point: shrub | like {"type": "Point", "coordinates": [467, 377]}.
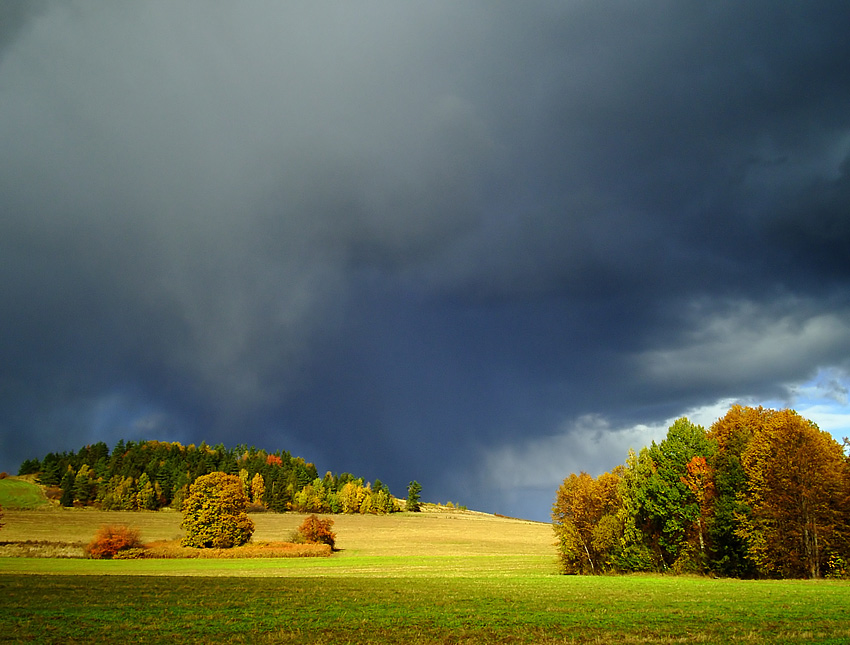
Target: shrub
{"type": "Point", "coordinates": [1, 517]}
{"type": "Point", "coordinates": [315, 530]}
{"type": "Point", "coordinates": [109, 540]}
{"type": "Point", "coordinates": [214, 513]}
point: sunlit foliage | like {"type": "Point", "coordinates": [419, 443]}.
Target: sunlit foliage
{"type": "Point", "coordinates": [109, 540]}
{"type": "Point", "coordinates": [214, 513]}
{"type": "Point", "coordinates": [763, 493]}
{"type": "Point", "coordinates": [315, 530]}
{"type": "Point", "coordinates": [150, 475]}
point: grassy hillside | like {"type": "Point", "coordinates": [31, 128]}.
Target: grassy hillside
{"type": "Point", "coordinates": [18, 493]}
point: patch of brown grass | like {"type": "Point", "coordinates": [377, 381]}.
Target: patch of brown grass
{"type": "Point", "coordinates": [42, 549]}
{"type": "Point", "coordinates": [171, 549]}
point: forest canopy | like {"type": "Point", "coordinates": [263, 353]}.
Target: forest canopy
{"type": "Point", "coordinates": [763, 493]}
{"type": "Point", "coordinates": [149, 475]}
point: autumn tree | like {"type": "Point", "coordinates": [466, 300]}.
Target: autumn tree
{"type": "Point", "coordinates": [351, 496]}
{"type": "Point", "coordinates": [109, 540]}
{"type": "Point", "coordinates": [258, 489]}
{"type": "Point", "coordinates": [732, 434]}
{"type": "Point", "coordinates": [315, 530]}
{"type": "Point", "coordinates": [382, 500]}
{"type": "Point", "coordinates": [699, 480]}
{"type": "Point", "coordinates": [587, 522]}
{"type": "Point", "coordinates": [214, 513]}
{"type": "Point", "coordinates": [795, 490]}
{"type": "Point", "coordinates": [313, 498]}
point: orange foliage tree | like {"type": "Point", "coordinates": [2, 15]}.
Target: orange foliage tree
{"type": "Point", "coordinates": [315, 530]}
{"type": "Point", "coordinates": [699, 480]}
{"type": "Point", "coordinates": [109, 540]}
{"type": "Point", "coordinates": [587, 523]}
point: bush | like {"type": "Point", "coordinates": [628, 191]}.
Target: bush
{"type": "Point", "coordinates": [315, 530]}
{"type": "Point", "coordinates": [214, 513]}
{"type": "Point", "coordinates": [109, 540]}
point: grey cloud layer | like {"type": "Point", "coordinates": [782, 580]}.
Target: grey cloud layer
{"type": "Point", "coordinates": [423, 223]}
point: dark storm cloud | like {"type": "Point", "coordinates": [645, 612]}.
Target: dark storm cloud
{"type": "Point", "coordinates": [425, 241]}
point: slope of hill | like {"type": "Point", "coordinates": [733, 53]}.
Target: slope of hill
{"type": "Point", "coordinates": [17, 493]}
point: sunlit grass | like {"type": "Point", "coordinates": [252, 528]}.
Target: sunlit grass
{"type": "Point", "coordinates": [360, 607]}
{"type": "Point", "coordinates": [401, 579]}
{"type": "Point", "coordinates": [20, 494]}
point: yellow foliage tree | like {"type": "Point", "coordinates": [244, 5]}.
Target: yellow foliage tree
{"type": "Point", "coordinates": [214, 513]}
{"type": "Point", "coordinates": [258, 489]}
{"type": "Point", "coordinates": [795, 490]}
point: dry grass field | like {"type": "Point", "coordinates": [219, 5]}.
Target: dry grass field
{"type": "Point", "coordinates": [438, 534]}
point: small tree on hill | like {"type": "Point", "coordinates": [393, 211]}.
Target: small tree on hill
{"type": "Point", "coordinates": [109, 540]}
{"type": "Point", "coordinates": [1, 517]}
{"type": "Point", "coordinates": [315, 530]}
{"type": "Point", "coordinates": [214, 513]}
{"type": "Point", "coordinates": [413, 490]}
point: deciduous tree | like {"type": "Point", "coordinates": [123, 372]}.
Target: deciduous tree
{"type": "Point", "coordinates": [258, 489]}
{"type": "Point", "coordinates": [315, 530]}
{"type": "Point", "coordinates": [214, 513]}
{"type": "Point", "coordinates": [586, 522]}
{"type": "Point", "coordinates": [795, 489]}
{"type": "Point", "coordinates": [109, 540]}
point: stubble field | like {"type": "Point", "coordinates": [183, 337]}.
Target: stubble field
{"type": "Point", "coordinates": [406, 578]}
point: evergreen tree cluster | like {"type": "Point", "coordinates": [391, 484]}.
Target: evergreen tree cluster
{"type": "Point", "coordinates": [763, 493]}
{"type": "Point", "coordinates": [149, 475]}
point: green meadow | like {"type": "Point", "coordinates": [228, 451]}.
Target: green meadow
{"type": "Point", "coordinates": [20, 494]}
{"type": "Point", "coordinates": [448, 577]}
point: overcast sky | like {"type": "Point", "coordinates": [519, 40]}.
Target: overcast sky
{"type": "Point", "coordinates": [477, 244]}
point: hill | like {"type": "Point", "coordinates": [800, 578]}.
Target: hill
{"type": "Point", "coordinates": [20, 493]}
{"type": "Point", "coordinates": [150, 475]}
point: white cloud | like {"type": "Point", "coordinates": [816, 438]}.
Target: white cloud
{"type": "Point", "coordinates": [592, 444]}
{"type": "Point", "coordinates": [824, 400]}
{"type": "Point", "coordinates": [589, 443]}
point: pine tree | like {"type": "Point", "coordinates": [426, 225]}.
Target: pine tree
{"type": "Point", "coordinates": [67, 485]}
{"type": "Point", "coordinates": [414, 488]}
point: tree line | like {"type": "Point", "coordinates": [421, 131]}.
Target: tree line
{"type": "Point", "coordinates": [149, 475]}
{"type": "Point", "coordinates": [762, 494]}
